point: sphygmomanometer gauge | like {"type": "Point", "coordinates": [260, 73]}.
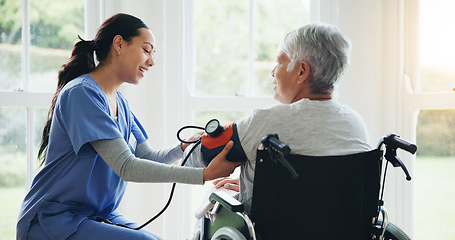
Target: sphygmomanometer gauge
{"type": "Point", "coordinates": [216, 139]}
{"type": "Point", "coordinates": [214, 128]}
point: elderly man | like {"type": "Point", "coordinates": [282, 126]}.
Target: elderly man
{"type": "Point", "coordinates": [310, 62]}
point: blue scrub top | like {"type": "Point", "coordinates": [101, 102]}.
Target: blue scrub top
{"type": "Point", "coordinates": [75, 182]}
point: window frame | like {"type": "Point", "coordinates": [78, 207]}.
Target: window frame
{"type": "Point", "coordinates": [196, 103]}
{"type": "Point", "coordinates": [178, 72]}
{"type": "Point", "coordinates": [30, 100]}
{"type": "Point", "coordinates": [413, 98]}
{"type": "Point", "coordinates": [403, 99]}
{"type": "Point", "coordinates": [320, 10]}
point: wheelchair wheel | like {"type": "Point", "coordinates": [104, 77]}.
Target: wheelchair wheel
{"type": "Point", "coordinates": [228, 233]}
{"type": "Point", "coordinates": [392, 232]}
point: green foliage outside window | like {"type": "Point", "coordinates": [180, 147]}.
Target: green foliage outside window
{"type": "Point", "coordinates": [222, 41]}
{"type": "Point", "coordinates": [49, 22]}
{"type": "Point", "coordinates": [54, 26]}
{"type": "Point", "coordinates": [435, 134]}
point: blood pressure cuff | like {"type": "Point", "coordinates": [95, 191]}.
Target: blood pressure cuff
{"type": "Point", "coordinates": [212, 146]}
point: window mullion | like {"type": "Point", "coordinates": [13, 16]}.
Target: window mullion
{"type": "Point", "coordinates": [30, 145]}
{"type": "Point", "coordinates": [251, 89]}
{"type": "Point", "coordinates": [25, 87]}
{"type": "Point", "coordinates": [25, 46]}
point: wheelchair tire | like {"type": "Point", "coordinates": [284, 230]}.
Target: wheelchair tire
{"type": "Point", "coordinates": [228, 233]}
{"type": "Point", "coordinates": [392, 232]}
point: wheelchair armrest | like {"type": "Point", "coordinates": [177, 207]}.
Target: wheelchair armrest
{"type": "Point", "coordinates": [227, 201]}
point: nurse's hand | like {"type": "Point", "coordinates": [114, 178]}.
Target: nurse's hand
{"type": "Point", "coordinates": [219, 166]}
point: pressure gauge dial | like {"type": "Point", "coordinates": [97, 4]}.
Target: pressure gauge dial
{"type": "Point", "coordinates": [213, 128]}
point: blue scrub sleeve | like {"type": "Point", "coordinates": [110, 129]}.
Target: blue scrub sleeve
{"type": "Point", "coordinates": [85, 114]}
{"type": "Point", "coordinates": [138, 131]}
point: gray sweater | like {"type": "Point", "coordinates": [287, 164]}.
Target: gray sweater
{"type": "Point", "coordinates": [309, 127]}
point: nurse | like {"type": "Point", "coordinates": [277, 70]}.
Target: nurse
{"type": "Point", "coordinates": [93, 144]}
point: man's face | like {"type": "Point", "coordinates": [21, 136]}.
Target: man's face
{"type": "Point", "coordinates": [286, 87]}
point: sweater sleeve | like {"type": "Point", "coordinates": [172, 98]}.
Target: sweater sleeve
{"type": "Point", "coordinates": [168, 155]}
{"type": "Point", "coordinates": [117, 155]}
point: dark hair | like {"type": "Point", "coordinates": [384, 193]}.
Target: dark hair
{"type": "Point", "coordinates": [82, 61]}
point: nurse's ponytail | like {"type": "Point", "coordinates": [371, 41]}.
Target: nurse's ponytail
{"type": "Point", "coordinates": [82, 60]}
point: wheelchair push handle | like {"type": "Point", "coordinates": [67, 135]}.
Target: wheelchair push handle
{"type": "Point", "coordinates": [279, 151]}
{"type": "Point", "coordinates": [395, 142]}
{"type": "Point", "coordinates": [392, 142]}
{"type": "Point", "coordinates": [273, 142]}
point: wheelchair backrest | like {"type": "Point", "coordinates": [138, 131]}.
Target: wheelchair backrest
{"type": "Point", "coordinates": [334, 197]}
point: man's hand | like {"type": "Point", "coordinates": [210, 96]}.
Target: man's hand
{"type": "Point", "coordinates": [228, 183]}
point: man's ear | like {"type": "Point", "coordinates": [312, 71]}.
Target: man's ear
{"type": "Point", "coordinates": [304, 71]}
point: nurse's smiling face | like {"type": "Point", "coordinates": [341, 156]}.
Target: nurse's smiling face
{"type": "Point", "coordinates": [137, 56]}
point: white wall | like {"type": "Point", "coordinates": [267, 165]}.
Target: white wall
{"type": "Point", "coordinates": [361, 86]}
{"type": "Point", "coordinates": [372, 85]}
{"type": "Point", "coordinates": [156, 102]}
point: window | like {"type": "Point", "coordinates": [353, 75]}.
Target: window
{"type": "Point", "coordinates": [234, 52]}
{"type": "Point", "coordinates": [434, 175]}
{"type": "Point", "coordinates": [36, 38]}
{"type": "Point", "coordinates": [437, 67]}
{"type": "Point", "coordinates": [433, 78]}
{"type": "Point", "coordinates": [234, 47]}
{"type": "Point", "coordinates": [11, 45]}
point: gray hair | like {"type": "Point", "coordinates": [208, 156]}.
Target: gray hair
{"type": "Point", "coordinates": [326, 50]}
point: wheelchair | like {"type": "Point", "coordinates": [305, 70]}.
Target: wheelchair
{"type": "Point", "coordinates": [311, 197]}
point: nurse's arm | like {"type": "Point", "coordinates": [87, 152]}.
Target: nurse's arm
{"type": "Point", "coordinates": [116, 154]}
{"type": "Point", "coordinates": [168, 155]}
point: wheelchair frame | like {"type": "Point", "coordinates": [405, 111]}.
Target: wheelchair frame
{"type": "Point", "coordinates": [231, 210]}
